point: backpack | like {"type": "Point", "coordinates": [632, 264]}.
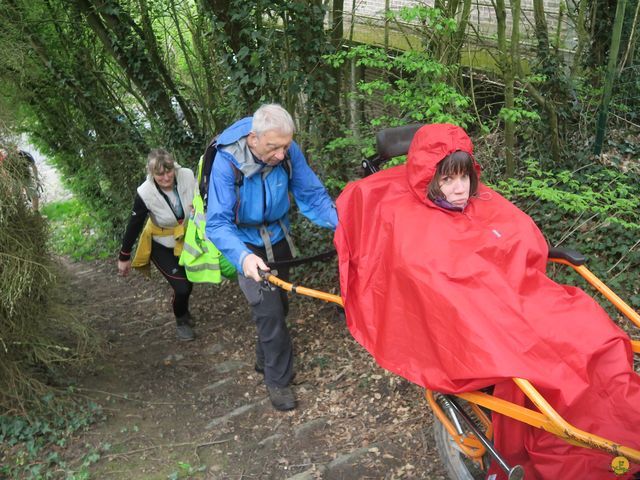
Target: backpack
{"type": "Point", "coordinates": [206, 165]}
{"type": "Point", "coordinates": [204, 169]}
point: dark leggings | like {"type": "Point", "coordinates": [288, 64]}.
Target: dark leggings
{"type": "Point", "coordinates": [163, 258]}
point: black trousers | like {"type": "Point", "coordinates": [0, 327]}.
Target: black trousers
{"type": "Point", "coordinates": [269, 308]}
{"type": "Point", "coordinates": [164, 259]}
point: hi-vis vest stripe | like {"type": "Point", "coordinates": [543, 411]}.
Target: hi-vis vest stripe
{"type": "Point", "coordinates": [202, 261]}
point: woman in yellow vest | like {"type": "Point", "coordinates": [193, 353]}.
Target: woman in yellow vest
{"type": "Point", "coordinates": [161, 206]}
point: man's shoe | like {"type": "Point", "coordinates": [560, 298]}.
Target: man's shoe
{"type": "Point", "coordinates": [282, 398]}
{"type": "Point", "coordinates": [185, 332]}
{"type": "Point", "coordinates": [259, 365]}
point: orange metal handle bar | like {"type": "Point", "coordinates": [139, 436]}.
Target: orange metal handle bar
{"type": "Point", "coordinates": [625, 309]}
{"type": "Point", "coordinates": [570, 432]}
{"type": "Point", "coordinates": [309, 292]}
{"type": "Point", "coordinates": [549, 420]}
{"type": "Point", "coordinates": [609, 294]}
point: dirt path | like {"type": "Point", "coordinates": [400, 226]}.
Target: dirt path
{"type": "Point", "coordinates": [198, 409]}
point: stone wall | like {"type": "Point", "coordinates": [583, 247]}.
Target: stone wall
{"type": "Point", "coordinates": [482, 16]}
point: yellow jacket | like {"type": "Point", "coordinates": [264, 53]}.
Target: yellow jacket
{"type": "Point", "coordinates": [143, 252]}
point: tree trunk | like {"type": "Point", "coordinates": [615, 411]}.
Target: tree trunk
{"type": "Point", "coordinates": [612, 73]}
{"type": "Point", "coordinates": [545, 57]}
{"type": "Point", "coordinates": [461, 34]}
{"type": "Point", "coordinates": [508, 74]}
{"type": "Point", "coordinates": [337, 39]}
{"type": "Point", "coordinates": [113, 28]}
{"type": "Point", "coordinates": [627, 58]}
{"type": "Point", "coordinates": [148, 35]}
{"type": "Point", "coordinates": [583, 39]}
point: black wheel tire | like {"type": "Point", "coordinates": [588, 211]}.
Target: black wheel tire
{"type": "Point", "coordinates": [457, 465]}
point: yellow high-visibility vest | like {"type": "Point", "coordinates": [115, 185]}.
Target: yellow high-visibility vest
{"type": "Point", "coordinates": [202, 260]}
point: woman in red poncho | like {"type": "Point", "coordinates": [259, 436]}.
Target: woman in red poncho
{"type": "Point", "coordinates": [445, 285]}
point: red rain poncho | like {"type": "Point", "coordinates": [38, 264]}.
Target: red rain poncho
{"type": "Point", "coordinates": [457, 301]}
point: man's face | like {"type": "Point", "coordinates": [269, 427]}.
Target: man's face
{"type": "Point", "coordinates": [270, 147]}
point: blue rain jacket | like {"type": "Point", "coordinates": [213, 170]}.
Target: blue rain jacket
{"type": "Point", "coordinates": [264, 195]}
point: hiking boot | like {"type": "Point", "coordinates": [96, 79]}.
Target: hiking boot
{"type": "Point", "coordinates": [282, 398]}
{"type": "Point", "coordinates": [184, 332]}
{"type": "Point", "coordinates": [259, 365]}
{"type": "Point", "coordinates": [188, 319]}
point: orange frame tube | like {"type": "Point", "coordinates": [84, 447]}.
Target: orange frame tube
{"type": "Point", "coordinates": [547, 418]}
{"type": "Point", "coordinates": [609, 294]}
{"type": "Point", "coordinates": [469, 445]}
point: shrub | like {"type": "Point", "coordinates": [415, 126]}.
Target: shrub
{"type": "Point", "coordinates": [37, 334]}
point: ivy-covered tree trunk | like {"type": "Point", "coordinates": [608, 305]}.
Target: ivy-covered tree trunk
{"type": "Point", "coordinates": [147, 33]}
{"type": "Point", "coordinates": [121, 38]}
{"type": "Point", "coordinates": [250, 52]}
{"type": "Point", "coordinates": [79, 118]}
{"type": "Point", "coordinates": [579, 21]}
{"type": "Point", "coordinates": [508, 58]}
{"type": "Point", "coordinates": [550, 67]}
{"type": "Point", "coordinates": [273, 52]}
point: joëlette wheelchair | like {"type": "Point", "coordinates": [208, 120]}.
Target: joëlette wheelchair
{"type": "Point", "coordinates": [463, 430]}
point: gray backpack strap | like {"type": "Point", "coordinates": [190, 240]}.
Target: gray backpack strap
{"type": "Point", "coordinates": [266, 239]}
{"type": "Point", "coordinates": [287, 235]}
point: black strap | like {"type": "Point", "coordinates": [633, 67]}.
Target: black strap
{"type": "Point", "coordinates": [301, 261]}
{"type": "Point", "coordinates": [166, 199]}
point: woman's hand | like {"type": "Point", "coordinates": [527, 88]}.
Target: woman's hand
{"type": "Point", "coordinates": [124, 267]}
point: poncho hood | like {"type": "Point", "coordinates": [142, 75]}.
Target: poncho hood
{"type": "Point", "coordinates": [431, 144]}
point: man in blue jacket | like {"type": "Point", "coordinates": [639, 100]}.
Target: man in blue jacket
{"type": "Point", "coordinates": [257, 164]}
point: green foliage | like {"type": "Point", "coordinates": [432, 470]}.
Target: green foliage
{"type": "Point", "coordinates": [518, 114]}
{"type": "Point", "coordinates": [273, 53]}
{"type": "Point", "coordinates": [591, 192]}
{"type": "Point", "coordinates": [31, 446]}
{"type": "Point", "coordinates": [433, 18]}
{"type": "Point", "coordinates": [593, 210]}
{"type": "Point", "coordinates": [185, 470]}
{"type": "Point", "coordinates": [413, 87]}
{"type": "Point", "coordinates": [341, 158]}
{"type": "Point", "coordinates": [77, 232]}
{"type": "Point", "coordinates": [439, 29]}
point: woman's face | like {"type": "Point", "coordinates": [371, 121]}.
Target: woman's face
{"type": "Point", "coordinates": [455, 188]}
{"type": "Point", "coordinates": [164, 179]}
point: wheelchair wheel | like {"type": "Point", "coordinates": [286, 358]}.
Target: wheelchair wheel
{"type": "Point", "coordinates": [456, 463]}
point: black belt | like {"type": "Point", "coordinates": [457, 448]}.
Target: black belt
{"type": "Point", "coordinates": [301, 261]}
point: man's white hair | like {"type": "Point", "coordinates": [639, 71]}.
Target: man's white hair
{"type": "Point", "coordinates": [272, 116]}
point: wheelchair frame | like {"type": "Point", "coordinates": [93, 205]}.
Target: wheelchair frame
{"type": "Point", "coordinates": [393, 142]}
